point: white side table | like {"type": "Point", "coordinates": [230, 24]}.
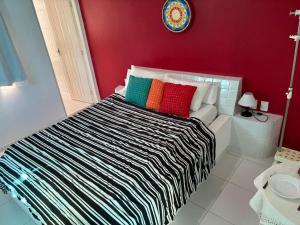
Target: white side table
{"type": "Point", "coordinates": [253, 138]}
{"type": "Point", "coordinates": [271, 208]}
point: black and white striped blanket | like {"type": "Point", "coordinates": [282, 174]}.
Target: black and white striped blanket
{"type": "Point", "coordinates": [112, 163]}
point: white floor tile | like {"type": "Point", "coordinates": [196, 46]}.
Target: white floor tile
{"type": "Point", "coordinates": [73, 106]}
{"type": "Point", "coordinates": [2, 150]}
{"type": "Point", "coordinates": [190, 214]}
{"type": "Point", "coordinates": [226, 166]}
{"type": "Point", "coordinates": [208, 192]}
{"type": "Point", "coordinates": [30, 222]}
{"type": "Point", "coordinates": [211, 219]}
{"type": "Point", "coordinates": [233, 205]}
{"type": "Point", "coordinates": [250, 218]}
{"type": "Point", "coordinates": [4, 198]}
{"type": "Point", "coordinates": [12, 214]}
{"type": "Point", "coordinates": [263, 161]}
{"type": "Point", "coordinates": [246, 173]}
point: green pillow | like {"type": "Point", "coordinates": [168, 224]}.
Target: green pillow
{"type": "Point", "coordinates": [137, 90]}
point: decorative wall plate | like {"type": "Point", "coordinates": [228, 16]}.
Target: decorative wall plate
{"type": "Point", "coordinates": [176, 15]}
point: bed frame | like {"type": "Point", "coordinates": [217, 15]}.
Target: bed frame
{"type": "Point", "coordinates": [230, 92]}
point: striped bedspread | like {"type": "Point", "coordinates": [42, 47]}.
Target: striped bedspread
{"type": "Point", "coordinates": [111, 164]}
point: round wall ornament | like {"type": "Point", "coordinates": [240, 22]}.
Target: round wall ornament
{"type": "Point", "coordinates": [176, 15]}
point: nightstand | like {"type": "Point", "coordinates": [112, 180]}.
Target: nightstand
{"type": "Point", "coordinates": [253, 138]}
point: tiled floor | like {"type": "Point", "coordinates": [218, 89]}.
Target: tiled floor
{"type": "Point", "coordinates": [225, 195]}
{"type": "Point", "coordinates": [221, 200]}
{"type": "Point", "coordinates": [72, 106]}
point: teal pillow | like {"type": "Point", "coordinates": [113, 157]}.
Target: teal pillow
{"type": "Point", "coordinates": [137, 90]}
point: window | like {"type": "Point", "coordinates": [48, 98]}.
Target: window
{"type": "Point", "coordinates": [10, 67]}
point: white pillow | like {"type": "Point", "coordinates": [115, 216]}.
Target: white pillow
{"type": "Point", "coordinates": [145, 73]}
{"type": "Point", "coordinates": [212, 94]}
{"type": "Point", "coordinates": [200, 92]}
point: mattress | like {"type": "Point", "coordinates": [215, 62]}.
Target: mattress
{"type": "Point", "coordinates": [112, 163]}
{"type": "Point", "coordinates": [207, 114]}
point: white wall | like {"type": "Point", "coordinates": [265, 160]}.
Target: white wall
{"type": "Point", "coordinates": [37, 103]}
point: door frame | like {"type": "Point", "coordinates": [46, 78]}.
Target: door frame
{"type": "Point", "coordinates": [86, 50]}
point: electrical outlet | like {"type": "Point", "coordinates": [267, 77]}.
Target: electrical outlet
{"type": "Point", "coordinates": [264, 106]}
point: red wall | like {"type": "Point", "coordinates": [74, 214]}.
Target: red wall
{"type": "Point", "coordinates": [247, 38]}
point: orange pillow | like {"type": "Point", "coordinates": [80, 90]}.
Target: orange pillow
{"type": "Point", "coordinates": [155, 95]}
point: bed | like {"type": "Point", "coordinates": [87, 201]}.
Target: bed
{"type": "Point", "coordinates": [113, 163]}
{"type": "Point", "coordinates": [229, 92]}
{"type": "Point", "coordinates": [207, 114]}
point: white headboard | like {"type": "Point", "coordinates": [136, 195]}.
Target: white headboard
{"type": "Point", "coordinates": [230, 90]}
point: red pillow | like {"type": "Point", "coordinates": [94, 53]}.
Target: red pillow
{"type": "Point", "coordinates": [177, 99]}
